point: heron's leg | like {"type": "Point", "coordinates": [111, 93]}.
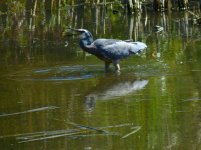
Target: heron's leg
{"type": "Point", "coordinates": [116, 65]}
{"type": "Point", "coordinates": [107, 65]}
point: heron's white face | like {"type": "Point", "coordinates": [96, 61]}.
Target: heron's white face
{"type": "Point", "coordinates": [81, 30]}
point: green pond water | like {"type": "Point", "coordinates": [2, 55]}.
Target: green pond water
{"type": "Point", "coordinates": [55, 96]}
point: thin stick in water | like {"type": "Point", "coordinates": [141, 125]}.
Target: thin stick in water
{"type": "Point", "coordinates": [134, 131]}
{"type": "Point", "coordinates": [50, 137]}
{"type": "Point", "coordinates": [30, 111]}
{"type": "Point", "coordinates": [88, 127]}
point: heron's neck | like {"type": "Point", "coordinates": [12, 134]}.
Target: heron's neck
{"type": "Point", "coordinates": [85, 41]}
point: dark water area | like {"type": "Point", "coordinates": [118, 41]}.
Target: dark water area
{"type": "Point", "coordinates": [55, 96]}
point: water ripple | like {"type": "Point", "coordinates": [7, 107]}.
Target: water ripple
{"type": "Point", "coordinates": [60, 73]}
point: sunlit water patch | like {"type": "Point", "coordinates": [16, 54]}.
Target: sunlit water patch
{"type": "Point", "coordinates": [157, 69]}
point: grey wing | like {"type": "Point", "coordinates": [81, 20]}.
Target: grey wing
{"type": "Point", "coordinates": [117, 50]}
{"type": "Point", "coordinates": [100, 43]}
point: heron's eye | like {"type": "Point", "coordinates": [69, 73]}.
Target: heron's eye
{"type": "Point", "coordinates": [89, 35]}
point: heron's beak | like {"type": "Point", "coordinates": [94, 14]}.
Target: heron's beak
{"type": "Point", "coordinates": [77, 30]}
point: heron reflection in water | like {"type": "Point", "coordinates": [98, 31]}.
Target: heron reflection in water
{"type": "Point", "coordinates": [109, 50]}
{"type": "Point", "coordinates": [111, 88]}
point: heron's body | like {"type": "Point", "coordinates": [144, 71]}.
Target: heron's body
{"type": "Point", "coordinates": [109, 50]}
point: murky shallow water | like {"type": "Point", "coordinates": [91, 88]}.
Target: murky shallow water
{"type": "Point", "coordinates": [53, 96]}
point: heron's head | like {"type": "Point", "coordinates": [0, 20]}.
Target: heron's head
{"type": "Point", "coordinates": [85, 35]}
{"type": "Point", "coordinates": [79, 30]}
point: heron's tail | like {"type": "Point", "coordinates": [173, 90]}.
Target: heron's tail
{"type": "Point", "coordinates": [138, 47]}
